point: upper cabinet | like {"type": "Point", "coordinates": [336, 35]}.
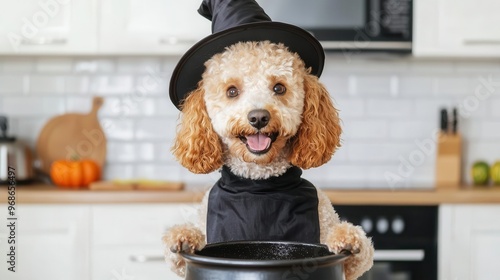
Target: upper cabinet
{"type": "Point", "coordinates": [48, 27]}
{"type": "Point", "coordinates": [150, 26]}
{"type": "Point", "coordinates": [458, 28]}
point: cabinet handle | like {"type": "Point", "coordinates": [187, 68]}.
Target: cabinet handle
{"type": "Point", "coordinates": [44, 41]}
{"type": "Point", "coordinates": [482, 41]}
{"type": "Point", "coordinates": [176, 41]}
{"type": "Point", "coordinates": [399, 255]}
{"type": "Point", "coordinates": [144, 258]}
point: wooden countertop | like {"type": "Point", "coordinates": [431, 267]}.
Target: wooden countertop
{"type": "Point", "coordinates": [50, 194]}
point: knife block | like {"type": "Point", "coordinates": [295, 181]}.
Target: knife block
{"type": "Point", "coordinates": [449, 161]}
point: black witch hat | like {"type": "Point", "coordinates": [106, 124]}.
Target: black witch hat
{"type": "Point", "coordinates": [236, 21]}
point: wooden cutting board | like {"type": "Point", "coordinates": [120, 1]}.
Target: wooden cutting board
{"type": "Point", "coordinates": [71, 136]}
{"type": "Point", "coordinates": [124, 185]}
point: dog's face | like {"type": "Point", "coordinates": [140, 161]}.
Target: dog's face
{"type": "Point", "coordinates": [257, 103]}
{"type": "Point", "coordinates": [254, 96]}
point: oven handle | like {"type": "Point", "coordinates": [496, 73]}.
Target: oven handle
{"type": "Point", "coordinates": [399, 255]}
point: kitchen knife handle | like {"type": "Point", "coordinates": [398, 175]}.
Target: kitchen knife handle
{"type": "Point", "coordinates": [455, 121]}
{"type": "Point", "coordinates": [444, 121]}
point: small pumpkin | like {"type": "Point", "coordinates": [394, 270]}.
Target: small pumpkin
{"type": "Point", "coordinates": [74, 173]}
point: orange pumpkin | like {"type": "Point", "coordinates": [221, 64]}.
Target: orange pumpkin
{"type": "Point", "coordinates": [74, 173]}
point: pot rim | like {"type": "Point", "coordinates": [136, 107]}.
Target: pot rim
{"type": "Point", "coordinates": [231, 262]}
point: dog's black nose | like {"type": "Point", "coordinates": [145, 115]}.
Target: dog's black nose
{"type": "Point", "coordinates": [259, 118]}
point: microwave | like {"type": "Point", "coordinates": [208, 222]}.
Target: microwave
{"type": "Point", "coordinates": [349, 25]}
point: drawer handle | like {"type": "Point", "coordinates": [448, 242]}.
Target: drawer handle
{"type": "Point", "coordinates": [146, 259]}
{"type": "Point", "coordinates": [44, 41]}
{"type": "Point", "coordinates": [482, 41]}
{"type": "Point", "coordinates": [176, 41]}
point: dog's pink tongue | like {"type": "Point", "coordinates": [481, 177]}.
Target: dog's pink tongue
{"type": "Point", "coordinates": [258, 142]}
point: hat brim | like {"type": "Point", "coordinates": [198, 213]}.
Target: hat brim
{"type": "Point", "coordinates": [190, 67]}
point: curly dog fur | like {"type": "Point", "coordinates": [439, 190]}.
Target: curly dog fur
{"type": "Point", "coordinates": [303, 130]}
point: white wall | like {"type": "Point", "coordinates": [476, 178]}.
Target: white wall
{"type": "Point", "coordinates": [387, 105]}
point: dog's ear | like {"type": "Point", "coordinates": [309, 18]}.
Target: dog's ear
{"type": "Point", "coordinates": [197, 146]}
{"type": "Point", "coordinates": [319, 133]}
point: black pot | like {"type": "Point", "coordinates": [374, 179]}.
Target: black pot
{"type": "Point", "coordinates": [263, 260]}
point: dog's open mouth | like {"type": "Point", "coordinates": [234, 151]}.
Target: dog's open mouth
{"type": "Point", "coordinates": [259, 143]}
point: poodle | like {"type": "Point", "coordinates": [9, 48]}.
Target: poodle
{"type": "Point", "coordinates": [256, 115]}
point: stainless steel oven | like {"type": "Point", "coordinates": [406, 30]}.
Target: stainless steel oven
{"type": "Point", "coordinates": [404, 237]}
{"type": "Point", "coordinates": [348, 25]}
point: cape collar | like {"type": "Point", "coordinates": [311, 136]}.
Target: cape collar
{"type": "Point", "coordinates": [289, 180]}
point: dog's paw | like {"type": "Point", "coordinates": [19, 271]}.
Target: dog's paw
{"type": "Point", "coordinates": [184, 238]}
{"type": "Point", "coordinates": [345, 237]}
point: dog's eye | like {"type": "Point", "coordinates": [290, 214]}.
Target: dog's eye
{"type": "Point", "coordinates": [279, 89]}
{"type": "Point", "coordinates": [232, 92]}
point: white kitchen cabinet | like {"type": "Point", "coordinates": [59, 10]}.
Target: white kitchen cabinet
{"type": "Point", "coordinates": [150, 26]}
{"type": "Point", "coordinates": [52, 242]}
{"type": "Point", "coordinates": [48, 27]}
{"type": "Point", "coordinates": [456, 28]}
{"type": "Point", "coordinates": [127, 239]}
{"type": "Point", "coordinates": [469, 242]}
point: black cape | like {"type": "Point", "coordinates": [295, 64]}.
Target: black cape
{"type": "Point", "coordinates": [283, 208]}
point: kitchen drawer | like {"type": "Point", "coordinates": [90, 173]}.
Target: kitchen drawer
{"type": "Point", "coordinates": [137, 224]}
{"type": "Point", "coordinates": [131, 262]}
{"type": "Point", "coordinates": [52, 242]}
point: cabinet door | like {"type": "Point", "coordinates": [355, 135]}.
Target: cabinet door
{"type": "Point", "coordinates": [51, 241]}
{"type": "Point", "coordinates": [126, 239]}
{"type": "Point", "coordinates": [150, 26]}
{"type": "Point", "coordinates": [469, 242]}
{"type": "Point", "coordinates": [456, 28]}
{"type": "Point", "coordinates": [48, 27]}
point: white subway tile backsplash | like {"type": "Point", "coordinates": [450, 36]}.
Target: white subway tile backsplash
{"type": "Point", "coordinates": [16, 65]}
{"type": "Point", "coordinates": [121, 152]}
{"type": "Point", "coordinates": [385, 107]}
{"type": "Point", "coordinates": [120, 84]}
{"type": "Point", "coordinates": [12, 83]}
{"type": "Point", "coordinates": [412, 130]}
{"type": "Point", "coordinates": [364, 129]}
{"type": "Point", "coordinates": [457, 85]}
{"type": "Point", "coordinates": [428, 67]}
{"type": "Point", "coordinates": [376, 152]}
{"type": "Point", "coordinates": [32, 106]}
{"type": "Point", "coordinates": [76, 84]}
{"type": "Point", "coordinates": [94, 66]}
{"type": "Point", "coordinates": [370, 85]}
{"type": "Point", "coordinates": [155, 129]}
{"type": "Point", "coordinates": [428, 109]}
{"type": "Point", "coordinates": [48, 84]}
{"type": "Point", "coordinates": [495, 108]}
{"type": "Point", "coordinates": [113, 171]}
{"type": "Point", "coordinates": [337, 85]}
{"type": "Point", "coordinates": [418, 86]}
{"type": "Point", "coordinates": [54, 65]}
{"type": "Point", "coordinates": [145, 151]}
{"type": "Point", "coordinates": [152, 83]}
{"type": "Point", "coordinates": [350, 107]}
{"type": "Point", "coordinates": [138, 65]}
{"type": "Point", "coordinates": [170, 172]}
{"type": "Point", "coordinates": [477, 67]}
{"type": "Point", "coordinates": [485, 130]}
{"type": "Point", "coordinates": [118, 128]}
{"type": "Point", "coordinates": [28, 129]}
{"type": "Point", "coordinates": [163, 152]}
